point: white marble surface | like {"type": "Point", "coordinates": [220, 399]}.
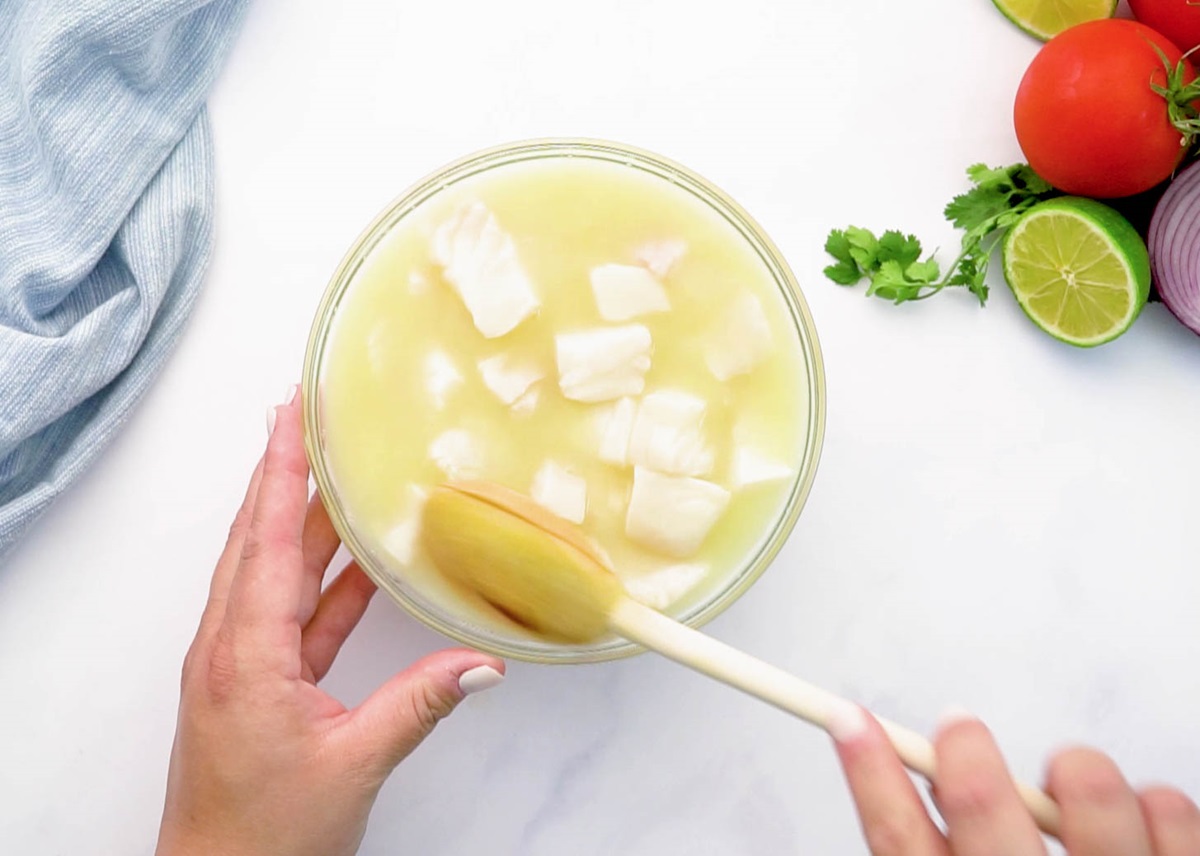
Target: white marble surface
{"type": "Point", "coordinates": [999, 521]}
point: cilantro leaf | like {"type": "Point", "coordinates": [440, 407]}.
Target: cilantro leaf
{"type": "Point", "coordinates": [982, 174]}
{"type": "Point", "coordinates": [926, 271]}
{"type": "Point", "coordinates": [896, 246]}
{"type": "Point", "coordinates": [997, 193]}
{"type": "Point", "coordinates": [838, 245]}
{"type": "Point", "coordinates": [863, 247]}
{"type": "Point", "coordinates": [971, 273]}
{"type": "Point", "coordinates": [892, 262]}
{"type": "Point", "coordinates": [976, 207]}
{"type": "Point", "coordinates": [1025, 177]}
{"type": "Point", "coordinates": [891, 283]}
{"type": "Point", "coordinates": [846, 271]}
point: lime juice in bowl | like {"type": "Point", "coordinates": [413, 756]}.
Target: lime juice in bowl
{"type": "Point", "coordinates": [586, 323]}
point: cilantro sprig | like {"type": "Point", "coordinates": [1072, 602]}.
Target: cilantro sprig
{"type": "Point", "coordinates": [892, 261]}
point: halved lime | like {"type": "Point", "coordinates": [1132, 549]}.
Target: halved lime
{"type": "Point", "coordinates": [1044, 19]}
{"type": "Point", "coordinates": [1079, 270]}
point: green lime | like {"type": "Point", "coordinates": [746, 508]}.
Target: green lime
{"type": "Point", "coordinates": [1044, 19]}
{"type": "Point", "coordinates": [1078, 268]}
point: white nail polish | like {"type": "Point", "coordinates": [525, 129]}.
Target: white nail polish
{"type": "Point", "coordinates": [291, 394]}
{"type": "Point", "coordinates": [270, 421]}
{"type": "Point", "coordinates": [847, 723]}
{"type": "Point", "coordinates": [478, 679]}
{"type": "Point", "coordinates": [954, 715]}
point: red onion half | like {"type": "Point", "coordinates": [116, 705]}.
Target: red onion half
{"type": "Point", "coordinates": [1174, 245]}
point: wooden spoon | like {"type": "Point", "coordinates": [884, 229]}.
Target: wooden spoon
{"type": "Point", "coordinates": [544, 574]}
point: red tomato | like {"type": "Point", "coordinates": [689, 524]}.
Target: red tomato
{"type": "Point", "coordinates": [1086, 117]}
{"type": "Point", "coordinates": [1178, 20]}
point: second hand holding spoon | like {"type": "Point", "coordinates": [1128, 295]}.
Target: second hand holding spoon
{"type": "Point", "coordinates": [545, 575]}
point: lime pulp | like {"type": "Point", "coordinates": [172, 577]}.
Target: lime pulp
{"type": "Point", "coordinates": [1079, 270]}
{"type": "Point", "coordinates": [1044, 19]}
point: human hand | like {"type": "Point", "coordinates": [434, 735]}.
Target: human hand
{"type": "Point", "coordinates": [265, 762]}
{"type": "Point", "coordinates": [1101, 814]}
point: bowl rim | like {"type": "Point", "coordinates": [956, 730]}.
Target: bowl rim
{"type": "Point", "coordinates": [534, 149]}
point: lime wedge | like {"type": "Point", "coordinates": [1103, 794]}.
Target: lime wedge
{"type": "Point", "coordinates": [1078, 269]}
{"type": "Point", "coordinates": [1044, 19]}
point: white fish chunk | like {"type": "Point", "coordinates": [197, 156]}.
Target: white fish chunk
{"type": "Point", "coordinates": [603, 363]}
{"type": "Point", "coordinates": [741, 342]}
{"type": "Point", "coordinates": [442, 377]}
{"type": "Point", "coordinates": [615, 424]}
{"type": "Point", "coordinates": [480, 261]}
{"type": "Point", "coordinates": [627, 291]}
{"type": "Point", "coordinates": [661, 588]}
{"type": "Point", "coordinates": [560, 491]}
{"type": "Point", "coordinates": [458, 454]}
{"type": "Point", "coordinates": [672, 514]}
{"type": "Point", "coordinates": [507, 377]}
{"type": "Point", "coordinates": [751, 467]}
{"type": "Point", "coordinates": [418, 282]}
{"type": "Point", "coordinates": [668, 434]}
{"type": "Point", "coordinates": [400, 541]}
{"type": "Point", "coordinates": [528, 402]}
{"type": "Point", "coordinates": [660, 256]}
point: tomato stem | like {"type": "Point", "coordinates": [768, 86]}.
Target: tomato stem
{"type": "Point", "coordinates": [1181, 97]}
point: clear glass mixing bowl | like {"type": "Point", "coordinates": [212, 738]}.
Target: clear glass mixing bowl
{"type": "Point", "coordinates": [810, 373]}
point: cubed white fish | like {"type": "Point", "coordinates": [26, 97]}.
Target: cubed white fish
{"type": "Point", "coordinates": [668, 434]}
{"type": "Point", "coordinates": [661, 588]}
{"type": "Point", "coordinates": [457, 453]}
{"type": "Point", "coordinates": [672, 514]}
{"type": "Point", "coordinates": [442, 377]}
{"type": "Point", "coordinates": [480, 261]}
{"type": "Point", "coordinates": [418, 282]}
{"type": "Point", "coordinates": [400, 541]}
{"type": "Point", "coordinates": [528, 402]}
{"type": "Point", "coordinates": [627, 291]}
{"type": "Point", "coordinates": [615, 423]}
{"type": "Point", "coordinates": [660, 256]}
{"type": "Point", "coordinates": [603, 363]}
{"type": "Point", "coordinates": [751, 467]}
{"type": "Point", "coordinates": [508, 377]}
{"type": "Point", "coordinates": [560, 491]}
{"type": "Point", "coordinates": [741, 342]}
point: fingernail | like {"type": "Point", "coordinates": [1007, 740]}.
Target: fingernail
{"type": "Point", "coordinates": [291, 394]}
{"type": "Point", "coordinates": [931, 790]}
{"type": "Point", "coordinates": [270, 421]}
{"type": "Point", "coordinates": [954, 715]}
{"type": "Point", "coordinates": [479, 679]}
{"type": "Point", "coordinates": [847, 723]}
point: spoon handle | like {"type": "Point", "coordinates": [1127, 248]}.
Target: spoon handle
{"type": "Point", "coordinates": [785, 691]}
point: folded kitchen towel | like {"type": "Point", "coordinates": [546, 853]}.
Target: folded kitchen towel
{"type": "Point", "coordinates": [105, 220]}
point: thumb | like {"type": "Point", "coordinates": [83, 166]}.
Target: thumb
{"type": "Point", "coordinates": [393, 720]}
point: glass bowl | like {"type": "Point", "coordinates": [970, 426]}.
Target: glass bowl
{"type": "Point", "coordinates": [811, 374]}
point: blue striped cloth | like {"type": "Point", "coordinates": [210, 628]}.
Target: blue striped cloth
{"type": "Point", "coordinates": [105, 220]}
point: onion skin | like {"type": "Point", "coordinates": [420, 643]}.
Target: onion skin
{"type": "Point", "coordinates": [1174, 244]}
